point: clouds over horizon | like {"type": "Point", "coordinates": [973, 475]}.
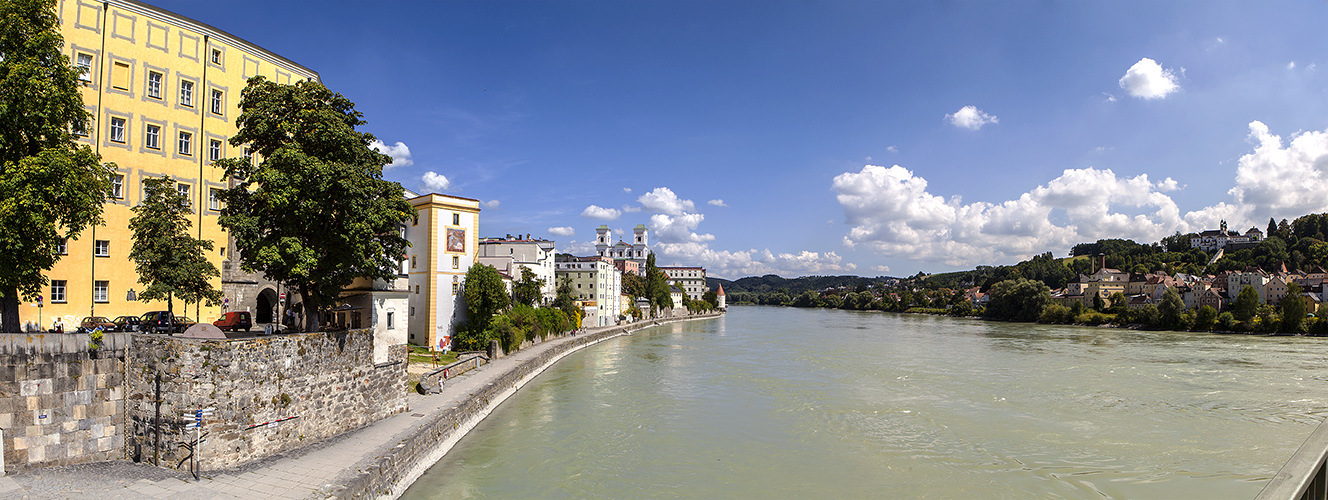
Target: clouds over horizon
{"type": "Point", "coordinates": [891, 212]}
{"type": "Point", "coordinates": [1147, 79]}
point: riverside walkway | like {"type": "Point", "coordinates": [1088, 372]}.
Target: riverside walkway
{"type": "Point", "coordinates": [321, 470]}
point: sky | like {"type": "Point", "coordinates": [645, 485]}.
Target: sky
{"type": "Point", "coordinates": [816, 137]}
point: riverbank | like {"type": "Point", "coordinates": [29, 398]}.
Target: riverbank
{"type": "Point", "coordinates": [380, 459]}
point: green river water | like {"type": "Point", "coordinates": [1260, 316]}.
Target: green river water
{"type": "Point", "coordinates": [771, 402]}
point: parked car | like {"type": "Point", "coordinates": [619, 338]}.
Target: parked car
{"type": "Point", "coordinates": [91, 323]}
{"type": "Point", "coordinates": [183, 323]}
{"type": "Point", "coordinates": [126, 323]}
{"type": "Point", "coordinates": [157, 322]}
{"type": "Point", "coordinates": [234, 321]}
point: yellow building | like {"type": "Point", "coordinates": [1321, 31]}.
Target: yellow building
{"type": "Point", "coordinates": [444, 242]}
{"type": "Point", "coordinates": [164, 91]}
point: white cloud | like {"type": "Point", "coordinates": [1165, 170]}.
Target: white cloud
{"type": "Point", "coordinates": [631, 209]}
{"type": "Point", "coordinates": [601, 213]}
{"type": "Point", "coordinates": [891, 212]}
{"type": "Point", "coordinates": [399, 152]}
{"type": "Point", "coordinates": [578, 248]}
{"type": "Point", "coordinates": [892, 149]}
{"type": "Point", "coordinates": [970, 117]}
{"type": "Point", "coordinates": [492, 204]}
{"type": "Point", "coordinates": [881, 269]}
{"type": "Point", "coordinates": [753, 262]}
{"type": "Point", "coordinates": [678, 229]}
{"type": "Point", "coordinates": [1280, 182]}
{"type": "Point", "coordinates": [1148, 80]}
{"type": "Point", "coordinates": [435, 182]}
{"type": "Point", "coordinates": [717, 203]}
{"type": "Point", "coordinates": [1291, 65]}
{"type": "Point", "coordinates": [627, 190]}
{"type": "Point", "coordinates": [1109, 97]}
{"type": "Point", "coordinates": [663, 201]}
{"type": "Point", "coordinates": [563, 231]}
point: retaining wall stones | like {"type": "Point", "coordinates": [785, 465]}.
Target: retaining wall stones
{"type": "Point", "coordinates": [269, 394]}
{"type": "Point", "coordinates": [61, 401]}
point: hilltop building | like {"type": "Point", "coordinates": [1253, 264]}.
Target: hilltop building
{"type": "Point", "coordinates": [1212, 240]}
{"type": "Point", "coordinates": [163, 90]}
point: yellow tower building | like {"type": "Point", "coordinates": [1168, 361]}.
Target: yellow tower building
{"type": "Point", "coordinates": [163, 90]}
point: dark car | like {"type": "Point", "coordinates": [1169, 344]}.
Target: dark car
{"type": "Point", "coordinates": [234, 321]}
{"type": "Point", "coordinates": [183, 323]}
{"type": "Point", "coordinates": [91, 323]}
{"type": "Point", "coordinates": [157, 322]}
{"type": "Point", "coordinates": [126, 323]}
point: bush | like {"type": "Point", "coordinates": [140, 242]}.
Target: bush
{"type": "Point", "coordinates": [1317, 326]}
{"type": "Point", "coordinates": [1227, 321]}
{"type": "Point", "coordinates": [1056, 313]}
{"type": "Point", "coordinates": [1204, 318]}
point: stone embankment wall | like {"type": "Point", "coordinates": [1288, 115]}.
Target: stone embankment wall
{"type": "Point", "coordinates": [269, 394]}
{"type": "Point", "coordinates": [395, 467]}
{"type": "Point", "coordinates": [61, 402]}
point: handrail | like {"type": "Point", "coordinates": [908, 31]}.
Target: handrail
{"type": "Point", "coordinates": [1304, 476]}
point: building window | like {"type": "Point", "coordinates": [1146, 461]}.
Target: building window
{"type": "Point", "coordinates": [154, 84]}
{"type": "Point", "coordinates": [417, 289]}
{"type": "Point", "coordinates": [390, 323]}
{"type": "Point", "coordinates": [214, 150]}
{"type": "Point", "coordinates": [100, 291]}
{"type": "Point", "coordinates": [216, 56]}
{"type": "Point", "coordinates": [218, 101]}
{"type": "Point", "coordinates": [185, 144]}
{"type": "Point", "coordinates": [84, 64]}
{"type": "Point", "coordinates": [102, 248]}
{"type": "Point", "coordinates": [214, 199]}
{"type": "Point", "coordinates": [456, 262]}
{"type": "Point", "coordinates": [62, 247]}
{"type": "Point", "coordinates": [186, 93]}
{"type": "Point", "coordinates": [117, 186]}
{"type": "Point", "coordinates": [248, 153]}
{"type": "Point", "coordinates": [456, 287]}
{"type": "Point", "coordinates": [117, 130]}
{"type": "Point", "coordinates": [152, 136]}
{"type": "Point", "coordinates": [58, 291]}
{"type": "Point", "coordinates": [120, 75]}
{"type": "Point", "coordinates": [456, 219]}
{"type": "Point", "coordinates": [183, 189]}
{"type": "Point", "coordinates": [412, 310]}
{"type": "Point", "coordinates": [412, 262]}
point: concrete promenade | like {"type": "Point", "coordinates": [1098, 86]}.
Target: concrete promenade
{"type": "Point", "coordinates": [318, 471]}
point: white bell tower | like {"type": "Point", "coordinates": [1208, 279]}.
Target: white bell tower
{"type": "Point", "coordinates": [604, 240]}
{"type": "Point", "coordinates": [640, 243]}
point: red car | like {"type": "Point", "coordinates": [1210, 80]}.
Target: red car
{"type": "Point", "coordinates": [234, 321]}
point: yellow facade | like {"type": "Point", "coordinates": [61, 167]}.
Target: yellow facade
{"type": "Point", "coordinates": [444, 243]}
{"type": "Point", "coordinates": [164, 91]}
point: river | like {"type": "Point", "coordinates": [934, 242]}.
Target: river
{"type": "Point", "coordinates": [781, 402]}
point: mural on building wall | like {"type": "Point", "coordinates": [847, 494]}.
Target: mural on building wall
{"type": "Point", "coordinates": [456, 240]}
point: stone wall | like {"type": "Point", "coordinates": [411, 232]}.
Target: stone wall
{"type": "Point", "coordinates": [269, 394]}
{"type": "Point", "coordinates": [61, 402]}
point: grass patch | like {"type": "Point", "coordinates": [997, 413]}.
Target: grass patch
{"type": "Point", "coordinates": [424, 356]}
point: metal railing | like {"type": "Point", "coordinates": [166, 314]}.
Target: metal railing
{"type": "Point", "coordinates": [1304, 476]}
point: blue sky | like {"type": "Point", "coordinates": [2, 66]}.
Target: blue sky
{"type": "Point", "coordinates": [832, 137]}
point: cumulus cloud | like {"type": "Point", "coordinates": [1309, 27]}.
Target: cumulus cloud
{"type": "Point", "coordinates": [663, 201]}
{"type": "Point", "coordinates": [563, 231]}
{"type": "Point", "coordinates": [399, 152]}
{"type": "Point", "coordinates": [601, 213]}
{"type": "Point", "coordinates": [578, 248]}
{"type": "Point", "coordinates": [435, 182]}
{"type": "Point", "coordinates": [1281, 181]}
{"type": "Point", "coordinates": [1147, 79]}
{"type": "Point", "coordinates": [631, 209]}
{"type": "Point", "coordinates": [891, 212]}
{"type": "Point", "coordinates": [678, 229]}
{"type": "Point", "coordinates": [881, 269]}
{"type": "Point", "coordinates": [970, 117]}
{"type": "Point", "coordinates": [717, 203]}
{"type": "Point", "coordinates": [753, 262]}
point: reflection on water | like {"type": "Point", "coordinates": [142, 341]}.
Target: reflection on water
{"type": "Point", "coordinates": [777, 402]}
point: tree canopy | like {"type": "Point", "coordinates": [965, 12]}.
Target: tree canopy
{"type": "Point", "coordinates": [314, 212]}
{"type": "Point", "coordinates": [485, 295]}
{"type": "Point", "coordinates": [526, 291]}
{"type": "Point", "coordinates": [169, 262]}
{"type": "Point", "coordinates": [51, 188]}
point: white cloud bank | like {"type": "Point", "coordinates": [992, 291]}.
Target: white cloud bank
{"type": "Point", "coordinates": [435, 182]}
{"type": "Point", "coordinates": [399, 152]}
{"type": "Point", "coordinates": [890, 211]}
{"type": "Point", "coordinates": [663, 201]}
{"type": "Point", "coordinates": [970, 117]}
{"type": "Point", "coordinates": [753, 262]}
{"type": "Point", "coordinates": [601, 213]}
{"type": "Point", "coordinates": [562, 231]}
{"type": "Point", "coordinates": [717, 203]}
{"type": "Point", "coordinates": [1147, 79]}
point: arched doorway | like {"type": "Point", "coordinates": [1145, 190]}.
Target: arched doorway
{"type": "Point", "coordinates": [267, 303]}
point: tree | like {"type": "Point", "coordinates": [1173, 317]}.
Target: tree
{"type": "Point", "coordinates": [1203, 321]}
{"type": "Point", "coordinates": [485, 295]}
{"type": "Point", "coordinates": [169, 262]}
{"type": "Point", "coordinates": [1247, 303]}
{"type": "Point", "coordinates": [526, 291]}
{"type": "Point", "coordinates": [1018, 300]}
{"type": "Point", "coordinates": [713, 298]}
{"type": "Point", "coordinates": [1119, 305]}
{"type": "Point", "coordinates": [1293, 309]}
{"type": "Point", "coordinates": [315, 212]}
{"type": "Point", "coordinates": [1098, 303]}
{"type": "Point", "coordinates": [633, 285]}
{"type": "Point", "coordinates": [51, 188]}
{"type": "Point", "coordinates": [1272, 228]}
{"type": "Point", "coordinates": [1169, 311]}
{"type": "Point", "coordinates": [565, 303]}
{"type": "Point", "coordinates": [657, 286]}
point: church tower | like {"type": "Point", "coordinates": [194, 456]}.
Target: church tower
{"type": "Point", "coordinates": [640, 244]}
{"type": "Point", "coordinates": [604, 240]}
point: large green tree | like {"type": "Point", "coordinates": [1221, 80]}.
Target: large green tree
{"type": "Point", "coordinates": [1247, 303]}
{"type": "Point", "coordinates": [485, 295]}
{"type": "Point", "coordinates": [657, 286]}
{"type": "Point", "coordinates": [1293, 309]}
{"type": "Point", "coordinates": [314, 212]}
{"type": "Point", "coordinates": [169, 262]}
{"type": "Point", "coordinates": [1170, 309]}
{"type": "Point", "coordinates": [527, 290]}
{"type": "Point", "coordinates": [1018, 300]}
{"type": "Point", "coordinates": [50, 188]}
{"type": "Point", "coordinates": [564, 302]}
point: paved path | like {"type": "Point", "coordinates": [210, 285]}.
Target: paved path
{"type": "Point", "coordinates": [312, 472]}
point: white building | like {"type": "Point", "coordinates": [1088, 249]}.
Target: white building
{"type": "Point", "coordinates": [692, 280]}
{"type": "Point", "coordinates": [443, 246]}
{"type": "Point", "coordinates": [537, 255]}
{"type": "Point", "coordinates": [637, 250]}
{"type": "Point", "coordinates": [1210, 241]}
{"type": "Point", "coordinates": [596, 283]}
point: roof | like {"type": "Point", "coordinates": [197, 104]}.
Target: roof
{"type": "Point", "coordinates": [721, 290]}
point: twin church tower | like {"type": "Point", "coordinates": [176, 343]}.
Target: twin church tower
{"type": "Point", "coordinates": [635, 251]}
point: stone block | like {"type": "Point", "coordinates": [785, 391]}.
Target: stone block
{"type": "Point", "coordinates": [36, 454]}
{"type": "Point", "coordinates": [35, 387]}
